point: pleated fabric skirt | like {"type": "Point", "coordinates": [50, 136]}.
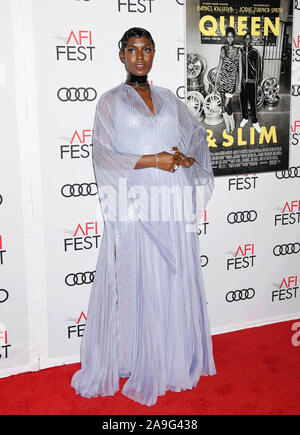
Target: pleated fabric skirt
{"type": "Point", "coordinates": [172, 344]}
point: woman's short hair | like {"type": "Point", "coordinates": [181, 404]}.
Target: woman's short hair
{"type": "Point", "coordinates": [230, 30]}
{"type": "Point", "coordinates": [137, 32]}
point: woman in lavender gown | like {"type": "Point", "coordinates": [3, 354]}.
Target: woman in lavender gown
{"type": "Point", "coordinates": [147, 317]}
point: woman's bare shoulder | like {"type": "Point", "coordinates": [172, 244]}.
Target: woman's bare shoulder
{"type": "Point", "coordinates": [223, 50]}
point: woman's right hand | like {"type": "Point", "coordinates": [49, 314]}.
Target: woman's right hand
{"type": "Point", "coordinates": [166, 161]}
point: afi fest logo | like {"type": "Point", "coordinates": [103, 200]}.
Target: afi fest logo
{"type": "Point", "coordinates": [79, 146]}
{"type": "Point", "coordinates": [243, 182]}
{"type": "Point", "coordinates": [77, 48]}
{"type": "Point", "coordinates": [86, 236]}
{"type": "Point", "coordinates": [243, 257]}
{"type": "Point", "coordinates": [203, 225]}
{"type": "Point", "coordinates": [135, 6]}
{"type": "Point", "coordinates": [3, 342]}
{"type": "Point", "coordinates": [1, 251]}
{"type": "Point", "coordinates": [77, 329]}
{"type": "Point", "coordinates": [290, 213]}
{"type": "Point", "coordinates": [288, 289]}
{"type": "Point", "coordinates": [295, 134]}
{"type": "Point", "coordinates": [296, 49]}
{"type": "Point", "coordinates": [180, 53]}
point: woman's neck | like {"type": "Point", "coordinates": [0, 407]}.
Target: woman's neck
{"type": "Point", "coordinates": [131, 79]}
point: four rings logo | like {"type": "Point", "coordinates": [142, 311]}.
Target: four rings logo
{"type": "Point", "coordinates": [3, 295]}
{"type": "Point", "coordinates": [290, 248]}
{"type": "Point", "coordinates": [84, 189]}
{"type": "Point", "coordinates": [240, 295]}
{"type": "Point", "coordinates": [79, 278]}
{"type": "Point", "coordinates": [77, 94]}
{"type": "Point", "coordinates": [293, 172]}
{"type": "Point", "coordinates": [203, 260]}
{"type": "Point", "coordinates": [295, 90]}
{"type": "Point", "coordinates": [241, 216]}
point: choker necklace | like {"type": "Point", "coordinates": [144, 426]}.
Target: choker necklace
{"type": "Point", "coordinates": [137, 80]}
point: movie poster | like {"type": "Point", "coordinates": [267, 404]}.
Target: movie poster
{"type": "Point", "coordinates": [238, 80]}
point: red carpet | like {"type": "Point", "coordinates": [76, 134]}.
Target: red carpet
{"type": "Point", "coordinates": [258, 373]}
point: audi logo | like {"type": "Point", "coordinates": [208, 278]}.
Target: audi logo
{"type": "Point", "coordinates": [3, 295]}
{"type": "Point", "coordinates": [77, 94]}
{"type": "Point", "coordinates": [80, 278]}
{"type": "Point", "coordinates": [241, 216]}
{"type": "Point", "coordinates": [203, 260]}
{"type": "Point", "coordinates": [240, 295]}
{"type": "Point", "coordinates": [84, 189]}
{"type": "Point", "coordinates": [296, 90]}
{"type": "Point", "coordinates": [290, 248]}
{"type": "Point", "coordinates": [293, 172]}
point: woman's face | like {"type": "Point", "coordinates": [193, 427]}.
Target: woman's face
{"type": "Point", "coordinates": [247, 40]}
{"type": "Point", "coordinates": [138, 55]}
{"type": "Point", "coordinates": [230, 38]}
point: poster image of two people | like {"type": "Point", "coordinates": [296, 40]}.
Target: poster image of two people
{"type": "Point", "coordinates": [238, 72]}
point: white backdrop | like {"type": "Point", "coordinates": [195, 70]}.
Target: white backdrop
{"type": "Point", "coordinates": [50, 228]}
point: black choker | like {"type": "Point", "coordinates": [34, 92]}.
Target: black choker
{"type": "Point", "coordinates": [136, 80]}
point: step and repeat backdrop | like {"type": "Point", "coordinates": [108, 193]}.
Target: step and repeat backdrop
{"type": "Point", "coordinates": [57, 57]}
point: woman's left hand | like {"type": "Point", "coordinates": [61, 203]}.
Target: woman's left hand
{"type": "Point", "coordinates": [181, 159]}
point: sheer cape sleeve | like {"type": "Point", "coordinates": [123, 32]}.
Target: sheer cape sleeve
{"type": "Point", "coordinates": [192, 141]}
{"type": "Point", "coordinates": [107, 159]}
{"type": "Point", "coordinates": [111, 166]}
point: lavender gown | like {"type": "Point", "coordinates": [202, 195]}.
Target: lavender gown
{"type": "Point", "coordinates": [147, 316]}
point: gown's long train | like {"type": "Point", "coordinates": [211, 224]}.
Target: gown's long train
{"type": "Point", "coordinates": [147, 317]}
